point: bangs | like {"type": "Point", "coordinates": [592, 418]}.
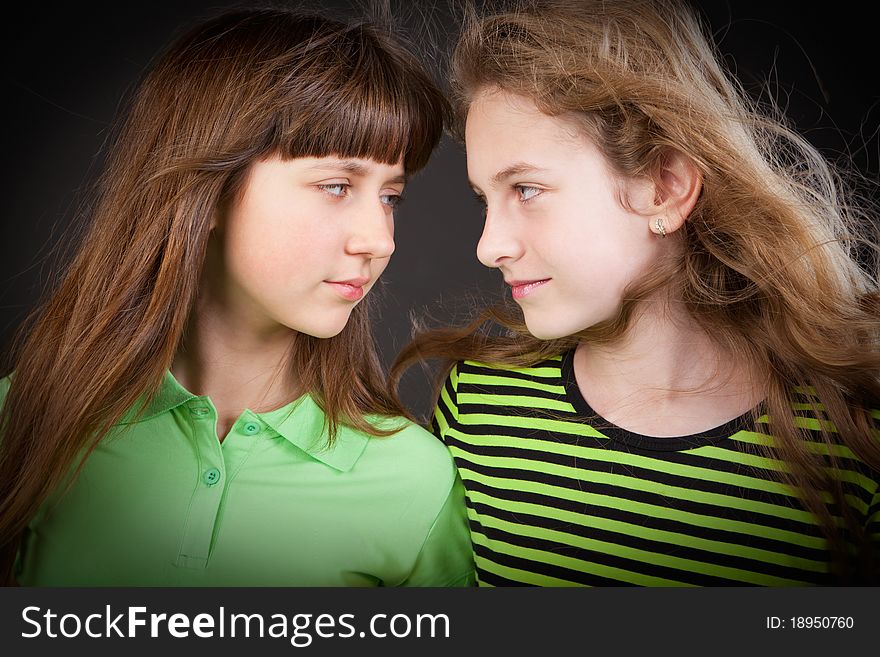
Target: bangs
{"type": "Point", "coordinates": [355, 94]}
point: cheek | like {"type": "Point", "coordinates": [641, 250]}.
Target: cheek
{"type": "Point", "coordinates": [276, 244]}
{"type": "Point", "coordinates": [604, 255]}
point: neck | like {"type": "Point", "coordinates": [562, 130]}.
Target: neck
{"type": "Point", "coordinates": [237, 369]}
{"type": "Point", "coordinates": [231, 355]}
{"type": "Point", "coordinates": [665, 376]}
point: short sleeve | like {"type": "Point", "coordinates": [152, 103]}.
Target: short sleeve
{"type": "Point", "coordinates": [446, 411]}
{"type": "Point", "coordinates": [446, 556]}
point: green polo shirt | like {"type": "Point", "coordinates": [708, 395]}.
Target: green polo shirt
{"type": "Point", "coordinates": [162, 502]}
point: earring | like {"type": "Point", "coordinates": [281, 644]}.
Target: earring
{"type": "Point", "coordinates": [660, 227]}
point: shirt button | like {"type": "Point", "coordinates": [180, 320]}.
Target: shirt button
{"type": "Point", "coordinates": [211, 476]}
{"type": "Point", "coordinates": [200, 411]}
{"type": "Point", "coordinates": [251, 428]}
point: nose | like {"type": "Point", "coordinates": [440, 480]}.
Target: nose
{"type": "Point", "coordinates": [372, 231]}
{"type": "Point", "coordinates": [498, 241]}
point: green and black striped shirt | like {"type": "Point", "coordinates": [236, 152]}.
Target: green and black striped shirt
{"type": "Point", "coordinates": [554, 500]}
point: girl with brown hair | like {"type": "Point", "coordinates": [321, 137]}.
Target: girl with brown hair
{"type": "Point", "coordinates": [199, 402]}
{"type": "Point", "coordinates": [686, 389]}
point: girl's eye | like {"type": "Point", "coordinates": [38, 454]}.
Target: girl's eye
{"type": "Point", "coordinates": [526, 193]}
{"type": "Point", "coordinates": [335, 189]}
{"type": "Point", "coordinates": [391, 200]}
{"type": "Point", "coordinates": [481, 200]}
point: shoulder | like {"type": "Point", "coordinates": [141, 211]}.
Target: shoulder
{"type": "Point", "coordinates": [414, 449]}
{"type": "Point", "coordinates": [538, 368]}
{"type": "Point", "coordinates": [411, 462]}
{"type": "Point", "coordinates": [471, 377]}
{"type": "Point", "coordinates": [480, 371]}
{"type": "Point", "coordinates": [848, 456]}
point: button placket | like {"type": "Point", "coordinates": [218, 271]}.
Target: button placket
{"type": "Point", "coordinates": [251, 428]}
{"type": "Point", "coordinates": [211, 476]}
{"type": "Point", "coordinates": [207, 496]}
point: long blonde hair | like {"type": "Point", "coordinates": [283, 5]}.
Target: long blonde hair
{"type": "Point", "coordinates": [235, 89]}
{"type": "Point", "coordinates": [770, 267]}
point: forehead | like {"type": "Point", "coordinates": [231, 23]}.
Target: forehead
{"type": "Point", "coordinates": [504, 127]}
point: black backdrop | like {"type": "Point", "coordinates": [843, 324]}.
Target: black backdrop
{"type": "Point", "coordinates": [67, 68]}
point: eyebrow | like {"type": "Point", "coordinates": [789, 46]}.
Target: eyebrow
{"type": "Point", "coordinates": [353, 167]}
{"type": "Point", "coordinates": [516, 169]}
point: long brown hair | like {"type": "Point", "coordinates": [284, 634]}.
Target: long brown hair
{"type": "Point", "coordinates": [242, 86]}
{"type": "Point", "coordinates": [769, 268]}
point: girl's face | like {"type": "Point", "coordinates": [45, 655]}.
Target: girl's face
{"type": "Point", "coordinates": [306, 241]}
{"type": "Point", "coordinates": [554, 224]}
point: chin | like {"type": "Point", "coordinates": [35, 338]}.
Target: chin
{"type": "Point", "coordinates": [553, 330]}
{"type": "Point", "coordinates": [543, 332]}
{"type": "Point", "coordinates": [323, 330]}
{"type": "Point", "coordinates": [321, 335]}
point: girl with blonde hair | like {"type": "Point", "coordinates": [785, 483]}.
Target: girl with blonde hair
{"type": "Point", "coordinates": [686, 389]}
{"type": "Point", "coordinates": [200, 402]}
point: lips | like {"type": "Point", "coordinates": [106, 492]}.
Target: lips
{"type": "Point", "coordinates": [351, 289]}
{"type": "Point", "coordinates": [354, 282]}
{"type": "Point", "coordinates": [520, 289]}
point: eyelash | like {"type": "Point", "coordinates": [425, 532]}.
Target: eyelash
{"type": "Point", "coordinates": [326, 189]}
{"type": "Point", "coordinates": [519, 189]}
{"type": "Point", "coordinates": [482, 201]}
{"type": "Point", "coordinates": [398, 198]}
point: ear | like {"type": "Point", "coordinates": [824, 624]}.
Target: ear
{"type": "Point", "coordinates": [677, 187]}
{"type": "Point", "coordinates": [220, 214]}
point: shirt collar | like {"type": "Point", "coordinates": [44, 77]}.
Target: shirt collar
{"type": "Point", "coordinates": [169, 395]}
{"type": "Point", "coordinates": [301, 422]}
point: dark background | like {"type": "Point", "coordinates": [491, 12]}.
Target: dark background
{"type": "Point", "coordinates": [67, 68]}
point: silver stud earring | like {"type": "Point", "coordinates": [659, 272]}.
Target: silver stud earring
{"type": "Point", "coordinates": [660, 227]}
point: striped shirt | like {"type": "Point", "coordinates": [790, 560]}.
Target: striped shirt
{"type": "Point", "coordinates": [558, 499]}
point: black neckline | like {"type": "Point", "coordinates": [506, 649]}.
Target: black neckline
{"type": "Point", "coordinates": [639, 441]}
